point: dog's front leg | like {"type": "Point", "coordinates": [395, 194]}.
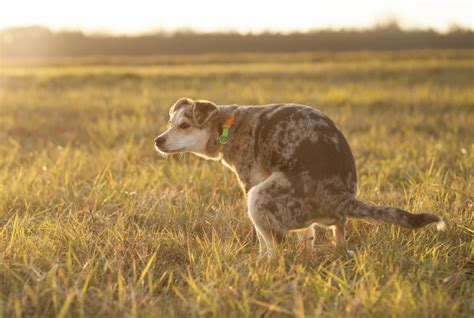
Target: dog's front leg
{"type": "Point", "coordinates": [262, 245]}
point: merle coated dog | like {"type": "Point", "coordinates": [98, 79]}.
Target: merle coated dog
{"type": "Point", "coordinates": [292, 161]}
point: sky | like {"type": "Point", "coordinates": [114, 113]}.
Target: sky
{"type": "Point", "coordinates": [141, 16]}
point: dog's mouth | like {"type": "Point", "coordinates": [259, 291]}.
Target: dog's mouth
{"type": "Point", "coordinates": [166, 151]}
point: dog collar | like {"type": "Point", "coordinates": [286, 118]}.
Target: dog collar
{"type": "Point", "coordinates": [225, 129]}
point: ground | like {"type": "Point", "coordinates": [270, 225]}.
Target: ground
{"type": "Point", "coordinates": [93, 222]}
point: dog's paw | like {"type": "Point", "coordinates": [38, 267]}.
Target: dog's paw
{"type": "Point", "coordinates": [350, 253]}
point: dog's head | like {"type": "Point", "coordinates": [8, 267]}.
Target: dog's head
{"type": "Point", "coordinates": [191, 128]}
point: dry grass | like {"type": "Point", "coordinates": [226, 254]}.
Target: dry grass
{"type": "Point", "coordinates": [94, 223]}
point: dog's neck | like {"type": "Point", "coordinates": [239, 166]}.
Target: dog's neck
{"type": "Point", "coordinates": [224, 112]}
{"type": "Point", "coordinates": [213, 147]}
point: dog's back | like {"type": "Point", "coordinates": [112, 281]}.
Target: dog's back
{"type": "Point", "coordinates": [295, 139]}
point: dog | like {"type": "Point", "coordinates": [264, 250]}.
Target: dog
{"type": "Point", "coordinates": [293, 163]}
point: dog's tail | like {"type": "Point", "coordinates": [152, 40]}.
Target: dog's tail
{"type": "Point", "coordinates": [354, 208]}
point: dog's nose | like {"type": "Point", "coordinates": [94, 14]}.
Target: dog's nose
{"type": "Point", "coordinates": [160, 140]}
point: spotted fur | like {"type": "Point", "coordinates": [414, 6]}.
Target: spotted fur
{"type": "Point", "coordinates": [293, 163]}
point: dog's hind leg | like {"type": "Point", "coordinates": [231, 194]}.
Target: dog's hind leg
{"type": "Point", "coordinates": [339, 236]}
{"type": "Point", "coordinates": [306, 237]}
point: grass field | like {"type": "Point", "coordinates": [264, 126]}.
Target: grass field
{"type": "Point", "coordinates": [94, 223]}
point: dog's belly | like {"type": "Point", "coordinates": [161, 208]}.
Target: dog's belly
{"type": "Point", "coordinates": [307, 215]}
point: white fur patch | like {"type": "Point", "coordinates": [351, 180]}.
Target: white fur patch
{"type": "Point", "coordinates": [441, 226]}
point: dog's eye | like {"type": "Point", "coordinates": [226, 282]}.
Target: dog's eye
{"type": "Point", "coordinates": [184, 126]}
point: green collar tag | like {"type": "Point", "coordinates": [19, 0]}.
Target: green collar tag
{"type": "Point", "coordinates": [225, 129]}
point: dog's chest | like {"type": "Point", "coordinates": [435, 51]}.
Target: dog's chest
{"type": "Point", "coordinates": [257, 175]}
{"type": "Point", "coordinates": [249, 174]}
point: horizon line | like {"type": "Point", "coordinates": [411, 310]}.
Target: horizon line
{"type": "Point", "coordinates": [395, 24]}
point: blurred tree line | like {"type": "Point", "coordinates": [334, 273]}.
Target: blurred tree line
{"type": "Point", "coordinates": [41, 42]}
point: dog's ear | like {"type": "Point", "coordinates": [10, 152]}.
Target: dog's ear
{"type": "Point", "coordinates": [203, 111]}
{"type": "Point", "coordinates": [180, 103]}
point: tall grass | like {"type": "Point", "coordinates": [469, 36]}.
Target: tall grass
{"type": "Point", "coordinates": [94, 223]}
